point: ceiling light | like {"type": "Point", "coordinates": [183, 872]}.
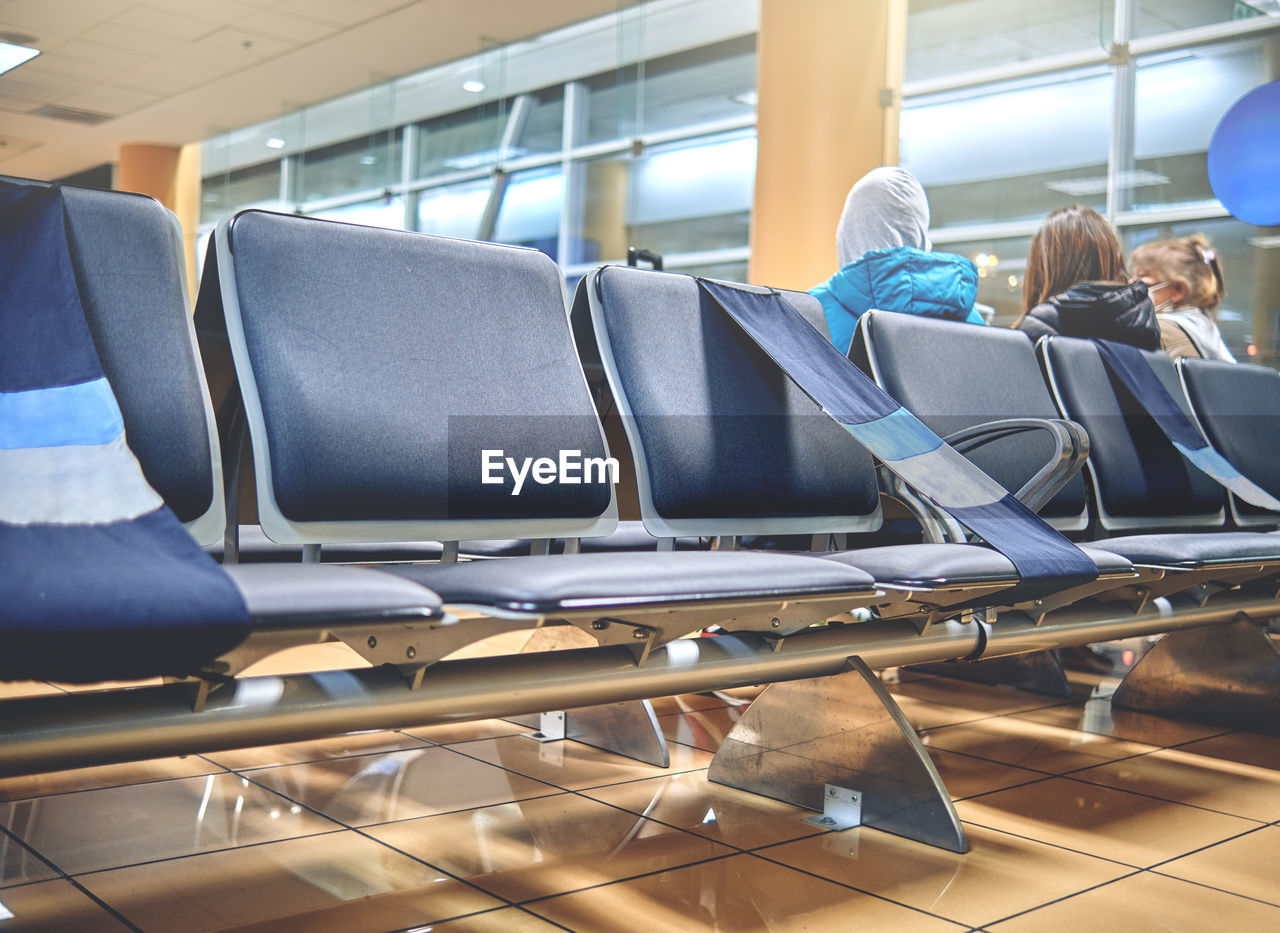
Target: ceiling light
{"type": "Point", "coordinates": [1079, 187]}
{"type": "Point", "coordinates": [275, 142]}
{"type": "Point", "coordinates": [368, 160]}
{"type": "Point", "coordinates": [1265, 242]}
{"type": "Point", "coordinates": [11, 56]}
{"type": "Point", "coordinates": [473, 86]}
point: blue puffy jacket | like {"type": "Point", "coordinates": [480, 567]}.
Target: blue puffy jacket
{"type": "Point", "coordinates": [898, 279]}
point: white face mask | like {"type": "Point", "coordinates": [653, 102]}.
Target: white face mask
{"type": "Point", "coordinates": [1164, 305]}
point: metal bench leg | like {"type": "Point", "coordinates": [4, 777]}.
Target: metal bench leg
{"type": "Point", "coordinates": [1039, 672]}
{"type": "Point", "coordinates": [629, 729]}
{"type": "Point", "coordinates": [1227, 675]}
{"type": "Point", "coordinates": [845, 731]}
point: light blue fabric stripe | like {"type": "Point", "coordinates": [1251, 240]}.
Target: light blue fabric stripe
{"type": "Point", "coordinates": [1210, 461]}
{"type": "Point", "coordinates": [896, 436]}
{"type": "Point", "coordinates": [80, 415]}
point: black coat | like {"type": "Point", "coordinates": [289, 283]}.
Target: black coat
{"type": "Point", "coordinates": [1122, 313]}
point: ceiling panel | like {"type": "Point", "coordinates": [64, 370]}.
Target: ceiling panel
{"type": "Point", "coordinates": [179, 71]}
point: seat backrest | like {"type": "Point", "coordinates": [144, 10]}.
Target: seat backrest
{"type": "Point", "coordinates": [1237, 407]}
{"type": "Point", "coordinates": [725, 443]}
{"type": "Point", "coordinates": [126, 250]}
{"type": "Point", "coordinates": [1139, 478]}
{"type": "Point", "coordinates": [377, 367]}
{"type": "Point", "coordinates": [953, 375]}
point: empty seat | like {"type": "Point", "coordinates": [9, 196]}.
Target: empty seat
{"type": "Point", "coordinates": [111, 596]}
{"type": "Point", "coordinates": [954, 377]}
{"type": "Point", "coordinates": [1237, 406]}
{"type": "Point", "coordinates": [695, 390]}
{"type": "Point", "coordinates": [1140, 481]}
{"type": "Point", "coordinates": [385, 373]}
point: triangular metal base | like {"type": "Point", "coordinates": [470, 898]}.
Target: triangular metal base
{"type": "Point", "coordinates": [629, 729]}
{"type": "Point", "coordinates": [847, 731]}
{"type": "Point", "coordinates": [1225, 675]}
{"type": "Point", "coordinates": [1039, 672]}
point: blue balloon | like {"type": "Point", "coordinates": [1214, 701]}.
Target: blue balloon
{"type": "Point", "coordinates": [1244, 157]}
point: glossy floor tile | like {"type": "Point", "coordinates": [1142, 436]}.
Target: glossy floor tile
{"type": "Point", "coordinates": [574, 766]}
{"type": "Point", "coordinates": [472, 827]}
{"type": "Point", "coordinates": [54, 907]}
{"type": "Point", "coordinates": [1098, 716]}
{"type": "Point", "coordinates": [337, 882]}
{"type": "Point", "coordinates": [1015, 741]}
{"type": "Point", "coordinates": [705, 729]}
{"type": "Point", "coordinates": [1248, 864]}
{"type": "Point", "coordinates": [399, 785]}
{"type": "Point", "coordinates": [725, 814]}
{"type": "Point", "coordinates": [1146, 901]}
{"type": "Point", "coordinates": [1114, 824]}
{"type": "Point", "coordinates": [1185, 776]}
{"type": "Point", "coordinates": [20, 865]}
{"type": "Point", "coordinates": [120, 826]}
{"type": "Point", "coordinates": [740, 893]}
{"type": "Point", "coordinates": [999, 876]}
{"type": "Point", "coordinates": [534, 848]}
{"type": "Point", "coordinates": [134, 772]}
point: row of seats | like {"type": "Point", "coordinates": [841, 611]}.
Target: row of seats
{"type": "Point", "coordinates": [377, 366]}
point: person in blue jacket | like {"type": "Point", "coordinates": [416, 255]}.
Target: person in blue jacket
{"type": "Point", "coordinates": [887, 261]}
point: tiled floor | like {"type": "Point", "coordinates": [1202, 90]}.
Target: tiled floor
{"type": "Point", "coordinates": [1078, 817]}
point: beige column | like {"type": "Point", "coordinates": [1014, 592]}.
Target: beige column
{"type": "Point", "coordinates": [829, 81]}
{"type": "Point", "coordinates": [171, 175]}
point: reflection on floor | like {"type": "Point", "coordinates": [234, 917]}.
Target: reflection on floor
{"type": "Point", "coordinates": [1078, 817]}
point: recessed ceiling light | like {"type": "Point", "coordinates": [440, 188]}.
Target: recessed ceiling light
{"type": "Point", "coordinates": [11, 56]}
{"type": "Point", "coordinates": [473, 86]}
{"type": "Point", "coordinates": [275, 142]}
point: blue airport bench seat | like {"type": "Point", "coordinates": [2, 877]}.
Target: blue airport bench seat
{"type": "Point", "coordinates": [1133, 479]}
{"type": "Point", "coordinates": [781, 466]}
{"type": "Point", "coordinates": [378, 366]}
{"type": "Point", "coordinates": [136, 328]}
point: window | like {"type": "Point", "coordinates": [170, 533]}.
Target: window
{"type": "Point", "coordinates": [222, 195]}
{"type": "Point", "coordinates": [946, 37]}
{"type": "Point", "coordinates": [677, 198]}
{"type": "Point", "coordinates": [455, 210]}
{"type": "Point", "coordinates": [1015, 150]}
{"type": "Point", "coordinates": [530, 211]}
{"type": "Point", "coordinates": [363, 164]}
{"type": "Point", "coordinates": [1181, 96]}
{"type": "Point", "coordinates": [384, 212]}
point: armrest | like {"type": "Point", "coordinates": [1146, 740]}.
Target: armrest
{"type": "Point", "coordinates": [1070, 449]}
{"type": "Point", "coordinates": [938, 526]}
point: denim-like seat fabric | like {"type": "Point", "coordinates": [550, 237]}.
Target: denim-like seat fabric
{"type": "Point", "coordinates": [560, 583]}
{"type": "Point", "coordinates": [989, 373]}
{"type": "Point", "coordinates": [1238, 408]}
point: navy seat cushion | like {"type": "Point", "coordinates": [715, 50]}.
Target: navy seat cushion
{"type": "Point", "coordinates": [387, 361]}
{"type": "Point", "coordinates": [132, 291]}
{"type": "Point", "coordinates": [1138, 471]}
{"type": "Point", "coordinates": [615, 581]}
{"type": "Point", "coordinates": [313, 594]}
{"type": "Point", "coordinates": [953, 375]}
{"type": "Point", "coordinates": [1238, 406]}
{"type": "Point", "coordinates": [930, 566]}
{"type": "Point", "coordinates": [1193, 550]}
{"type": "Point", "coordinates": [724, 433]}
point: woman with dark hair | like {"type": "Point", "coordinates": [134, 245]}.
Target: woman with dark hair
{"type": "Point", "coordinates": [1076, 284]}
{"type": "Point", "coordinates": [1184, 277]}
